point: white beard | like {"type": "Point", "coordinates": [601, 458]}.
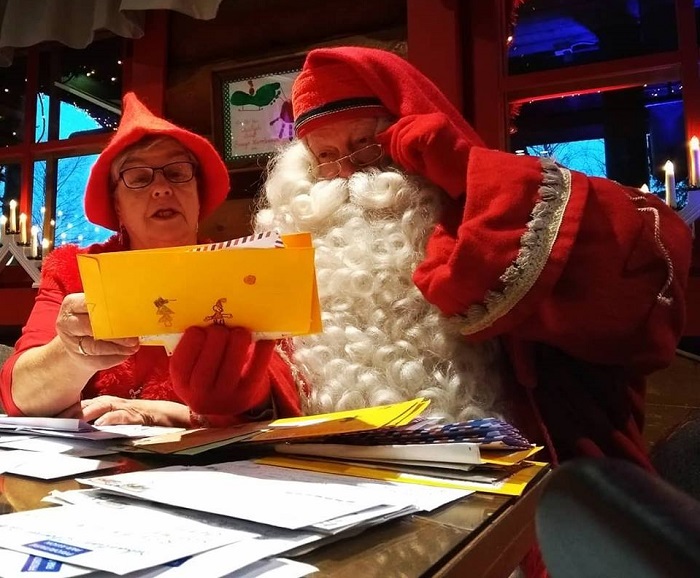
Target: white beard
{"type": "Point", "coordinates": [382, 342]}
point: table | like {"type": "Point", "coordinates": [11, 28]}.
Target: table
{"type": "Point", "coordinates": [483, 535]}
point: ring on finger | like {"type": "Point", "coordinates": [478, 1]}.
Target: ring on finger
{"type": "Point", "coordinates": [80, 347]}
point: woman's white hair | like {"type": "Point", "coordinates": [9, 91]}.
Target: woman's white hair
{"type": "Point", "coordinates": [382, 341]}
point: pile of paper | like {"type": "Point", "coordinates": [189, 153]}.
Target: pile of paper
{"type": "Point", "coordinates": [487, 455]}
{"type": "Point", "coordinates": [178, 521]}
{"type": "Point", "coordinates": [391, 442]}
{"type": "Point", "coordinates": [53, 448]}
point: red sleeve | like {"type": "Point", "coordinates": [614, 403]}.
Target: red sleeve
{"type": "Point", "coordinates": [41, 325]}
{"type": "Point", "coordinates": [583, 264]}
{"type": "Point", "coordinates": [285, 399]}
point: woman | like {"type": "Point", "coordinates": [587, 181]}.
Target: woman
{"type": "Point", "coordinates": [153, 183]}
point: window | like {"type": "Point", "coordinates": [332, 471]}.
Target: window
{"type": "Point", "coordinates": [627, 134]}
{"type": "Point", "coordinates": [552, 34]}
{"type": "Point", "coordinates": [605, 87]}
{"type": "Point", "coordinates": [73, 98]}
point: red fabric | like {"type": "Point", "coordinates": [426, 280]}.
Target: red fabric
{"type": "Point", "coordinates": [602, 290]}
{"type": "Point", "coordinates": [144, 375]}
{"type": "Point", "coordinates": [136, 123]}
{"type": "Point", "coordinates": [605, 305]}
{"type": "Point", "coordinates": [220, 368]}
{"type": "Point", "coordinates": [332, 74]}
{"type": "Point", "coordinates": [430, 145]}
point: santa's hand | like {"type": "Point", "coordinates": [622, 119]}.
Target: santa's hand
{"type": "Point", "coordinates": [431, 146]}
{"type": "Point", "coordinates": [220, 370]}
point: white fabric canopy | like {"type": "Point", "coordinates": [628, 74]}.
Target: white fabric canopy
{"type": "Point", "coordinates": [74, 22]}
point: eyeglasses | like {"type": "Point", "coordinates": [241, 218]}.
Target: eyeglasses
{"type": "Point", "coordinates": [360, 158]}
{"type": "Point", "coordinates": [140, 177]}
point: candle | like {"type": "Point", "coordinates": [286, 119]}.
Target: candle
{"type": "Point", "coordinates": [34, 251]}
{"type": "Point", "coordinates": [52, 233]}
{"type": "Point", "coordinates": [44, 248]}
{"type": "Point", "coordinates": [23, 229]}
{"type": "Point", "coordinates": [670, 183]}
{"type": "Point", "coordinates": [3, 224]}
{"type": "Point", "coordinates": [644, 188]}
{"type": "Point", "coordinates": [694, 173]}
{"type": "Point", "coordinates": [13, 216]}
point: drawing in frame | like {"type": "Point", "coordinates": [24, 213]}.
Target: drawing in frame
{"type": "Point", "coordinates": [252, 110]}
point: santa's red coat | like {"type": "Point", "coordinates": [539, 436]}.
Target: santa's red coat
{"type": "Point", "coordinates": [584, 281]}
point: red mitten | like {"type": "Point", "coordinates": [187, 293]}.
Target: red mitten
{"type": "Point", "coordinates": [220, 370]}
{"type": "Point", "coordinates": [431, 146]}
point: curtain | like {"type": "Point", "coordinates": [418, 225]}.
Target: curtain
{"type": "Point", "coordinates": [74, 22]}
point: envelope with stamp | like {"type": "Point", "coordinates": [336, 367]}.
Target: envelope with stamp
{"type": "Point", "coordinates": [264, 282]}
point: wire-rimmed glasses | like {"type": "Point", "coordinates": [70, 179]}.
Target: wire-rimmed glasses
{"type": "Point", "coordinates": [140, 177]}
{"type": "Point", "coordinates": [360, 158]}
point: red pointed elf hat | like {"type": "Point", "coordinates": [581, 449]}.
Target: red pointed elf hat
{"type": "Point", "coordinates": [136, 123]}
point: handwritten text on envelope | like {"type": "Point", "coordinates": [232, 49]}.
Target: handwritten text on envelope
{"type": "Point", "coordinates": [160, 291]}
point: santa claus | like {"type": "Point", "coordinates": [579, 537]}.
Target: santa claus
{"type": "Point", "coordinates": [490, 283]}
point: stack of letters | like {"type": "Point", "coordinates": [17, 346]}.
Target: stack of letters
{"type": "Point", "coordinates": [320, 478]}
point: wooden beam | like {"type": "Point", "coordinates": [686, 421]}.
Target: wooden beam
{"type": "Point", "coordinates": [486, 70]}
{"type": "Point", "coordinates": [145, 66]}
{"type": "Point", "coordinates": [688, 56]}
{"type": "Point", "coordinates": [434, 30]}
{"type": "Point", "coordinates": [609, 75]}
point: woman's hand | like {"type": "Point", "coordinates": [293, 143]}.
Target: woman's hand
{"type": "Point", "coordinates": [74, 330]}
{"type": "Point", "coordinates": [110, 410]}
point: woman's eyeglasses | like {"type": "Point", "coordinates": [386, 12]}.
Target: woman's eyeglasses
{"type": "Point", "coordinates": [360, 158]}
{"type": "Point", "coordinates": [140, 177]}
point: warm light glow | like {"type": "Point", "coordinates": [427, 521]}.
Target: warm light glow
{"type": "Point", "coordinates": [13, 216]}
{"type": "Point", "coordinates": [694, 168]}
{"type": "Point", "coordinates": [35, 242]}
{"type": "Point", "coordinates": [23, 229]}
{"type": "Point", "coordinates": [670, 185]}
{"type": "Point", "coordinates": [644, 188]}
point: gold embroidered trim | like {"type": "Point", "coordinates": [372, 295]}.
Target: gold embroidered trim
{"type": "Point", "coordinates": [535, 248]}
{"type": "Point", "coordinates": [302, 385]}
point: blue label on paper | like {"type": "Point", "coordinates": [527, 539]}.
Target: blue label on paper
{"type": "Point", "coordinates": [58, 548]}
{"type": "Point", "coordinates": [178, 562]}
{"type": "Point", "coordinates": [37, 564]}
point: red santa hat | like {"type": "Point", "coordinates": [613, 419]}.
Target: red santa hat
{"type": "Point", "coordinates": [353, 81]}
{"type": "Point", "coordinates": [136, 123]}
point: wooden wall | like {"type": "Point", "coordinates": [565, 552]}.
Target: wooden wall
{"type": "Point", "coordinates": [245, 32]}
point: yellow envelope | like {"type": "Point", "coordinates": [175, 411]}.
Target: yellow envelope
{"type": "Point", "coordinates": [192, 442]}
{"type": "Point", "coordinates": [163, 291]}
{"type": "Point", "coordinates": [513, 485]}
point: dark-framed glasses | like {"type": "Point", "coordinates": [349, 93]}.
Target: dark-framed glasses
{"type": "Point", "coordinates": [363, 157]}
{"type": "Point", "coordinates": [140, 177]}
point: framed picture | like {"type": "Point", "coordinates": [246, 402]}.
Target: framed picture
{"type": "Point", "coordinates": [252, 110]}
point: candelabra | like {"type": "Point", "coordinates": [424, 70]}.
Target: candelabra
{"type": "Point", "coordinates": [28, 255]}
